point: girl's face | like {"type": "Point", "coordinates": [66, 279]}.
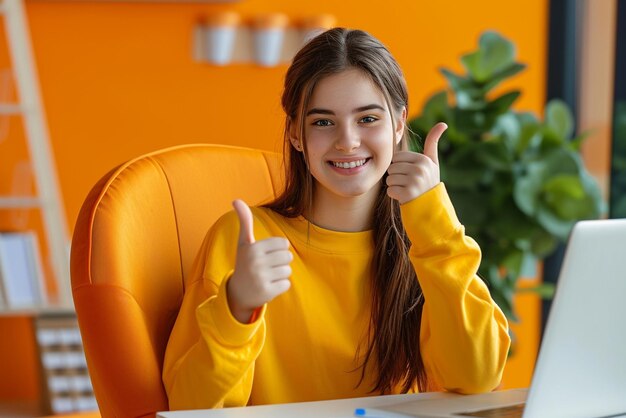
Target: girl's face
{"type": "Point", "coordinates": [349, 136]}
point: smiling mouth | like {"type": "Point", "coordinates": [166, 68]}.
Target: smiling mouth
{"type": "Point", "coordinates": [350, 164]}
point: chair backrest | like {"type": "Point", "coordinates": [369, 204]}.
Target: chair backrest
{"type": "Point", "coordinates": [134, 243]}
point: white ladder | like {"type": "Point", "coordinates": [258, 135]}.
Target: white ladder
{"type": "Point", "coordinates": [29, 106]}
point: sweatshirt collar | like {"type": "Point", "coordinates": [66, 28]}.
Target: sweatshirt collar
{"type": "Point", "coordinates": [325, 240]}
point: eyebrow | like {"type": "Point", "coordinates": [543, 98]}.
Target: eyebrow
{"type": "Point", "coordinates": [319, 111]}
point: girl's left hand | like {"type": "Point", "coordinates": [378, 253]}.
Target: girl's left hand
{"type": "Point", "coordinates": [412, 174]}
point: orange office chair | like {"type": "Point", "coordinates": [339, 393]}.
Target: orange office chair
{"type": "Point", "coordinates": [134, 243]}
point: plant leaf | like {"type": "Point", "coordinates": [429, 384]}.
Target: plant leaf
{"type": "Point", "coordinates": [502, 75]}
{"type": "Point", "coordinates": [565, 195]}
{"type": "Point", "coordinates": [456, 81]}
{"type": "Point", "coordinates": [558, 160]}
{"type": "Point", "coordinates": [494, 155]}
{"type": "Point", "coordinates": [502, 103]}
{"type": "Point", "coordinates": [436, 108]}
{"type": "Point", "coordinates": [508, 126]}
{"type": "Point", "coordinates": [493, 55]}
{"type": "Point", "coordinates": [556, 226]}
{"type": "Point", "coordinates": [542, 243]}
{"type": "Point", "coordinates": [559, 119]}
{"type": "Point", "coordinates": [527, 188]}
{"type": "Point", "coordinates": [593, 192]}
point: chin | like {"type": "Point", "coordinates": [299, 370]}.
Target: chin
{"type": "Point", "coordinates": [355, 192]}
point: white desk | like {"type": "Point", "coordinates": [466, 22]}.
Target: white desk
{"type": "Point", "coordinates": [341, 408]}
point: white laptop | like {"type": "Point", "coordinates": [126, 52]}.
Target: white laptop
{"type": "Point", "coordinates": [581, 368]}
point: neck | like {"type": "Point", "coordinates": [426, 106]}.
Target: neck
{"type": "Point", "coordinates": [345, 214]}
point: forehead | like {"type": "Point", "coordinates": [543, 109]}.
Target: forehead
{"type": "Point", "coordinates": [346, 90]}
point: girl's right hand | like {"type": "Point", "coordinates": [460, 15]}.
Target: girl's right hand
{"type": "Point", "coordinates": [261, 271]}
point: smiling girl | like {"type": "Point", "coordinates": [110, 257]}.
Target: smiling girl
{"type": "Point", "coordinates": [358, 279]}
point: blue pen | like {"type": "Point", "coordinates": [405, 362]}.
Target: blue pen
{"type": "Point", "coordinates": [365, 413]}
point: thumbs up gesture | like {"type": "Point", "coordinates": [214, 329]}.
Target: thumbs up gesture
{"type": "Point", "coordinates": [261, 271]}
{"type": "Point", "coordinates": [412, 174]}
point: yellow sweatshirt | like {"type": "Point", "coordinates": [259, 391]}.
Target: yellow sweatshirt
{"type": "Point", "coordinates": [302, 346]}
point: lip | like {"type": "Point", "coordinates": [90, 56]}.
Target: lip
{"type": "Point", "coordinates": [348, 159]}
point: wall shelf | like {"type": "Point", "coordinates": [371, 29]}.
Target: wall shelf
{"type": "Point", "coordinates": [11, 109]}
{"type": "Point", "coordinates": [15, 202]}
{"type": "Point", "coordinates": [33, 311]}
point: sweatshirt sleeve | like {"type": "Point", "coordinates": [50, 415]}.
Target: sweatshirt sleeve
{"type": "Point", "coordinates": [464, 335]}
{"type": "Point", "coordinates": [209, 360]}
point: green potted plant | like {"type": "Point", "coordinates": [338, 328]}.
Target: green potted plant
{"type": "Point", "coordinates": [518, 183]}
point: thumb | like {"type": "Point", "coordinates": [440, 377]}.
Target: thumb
{"type": "Point", "coordinates": [246, 230]}
{"type": "Point", "coordinates": [432, 139]}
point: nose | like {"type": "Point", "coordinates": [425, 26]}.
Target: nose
{"type": "Point", "coordinates": [348, 139]}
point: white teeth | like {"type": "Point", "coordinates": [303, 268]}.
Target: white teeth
{"type": "Point", "coordinates": [350, 164]}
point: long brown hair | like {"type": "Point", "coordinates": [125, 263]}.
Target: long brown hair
{"type": "Point", "coordinates": [393, 338]}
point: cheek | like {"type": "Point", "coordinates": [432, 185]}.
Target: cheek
{"type": "Point", "coordinates": [317, 144]}
{"type": "Point", "coordinates": [386, 160]}
{"type": "Point", "coordinates": [317, 137]}
{"type": "Point", "coordinates": [315, 156]}
{"type": "Point", "coordinates": [385, 142]}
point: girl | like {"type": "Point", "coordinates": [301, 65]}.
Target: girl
{"type": "Point", "coordinates": [358, 279]}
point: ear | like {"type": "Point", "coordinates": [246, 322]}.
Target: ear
{"type": "Point", "coordinates": [400, 124]}
{"type": "Point", "coordinates": [293, 137]}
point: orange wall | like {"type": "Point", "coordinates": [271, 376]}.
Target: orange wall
{"type": "Point", "coordinates": [118, 79]}
{"type": "Point", "coordinates": [19, 367]}
{"type": "Point", "coordinates": [526, 339]}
